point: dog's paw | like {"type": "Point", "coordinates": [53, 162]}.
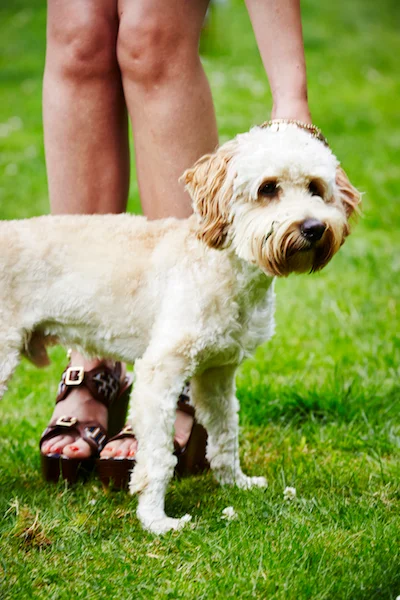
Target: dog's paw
{"type": "Point", "coordinates": [245, 483]}
{"type": "Point", "coordinates": [239, 479]}
{"type": "Point", "coordinates": [164, 524]}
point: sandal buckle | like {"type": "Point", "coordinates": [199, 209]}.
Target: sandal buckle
{"type": "Point", "coordinates": [74, 375]}
{"type": "Point", "coordinates": [66, 421]}
{"type": "Point", "coordinates": [127, 429]}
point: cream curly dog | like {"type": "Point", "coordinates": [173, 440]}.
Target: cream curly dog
{"type": "Point", "coordinates": [182, 299]}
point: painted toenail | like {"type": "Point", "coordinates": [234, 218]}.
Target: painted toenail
{"type": "Point", "coordinates": [131, 453]}
{"type": "Point", "coordinates": [74, 448]}
{"type": "Point", "coordinates": [118, 453]}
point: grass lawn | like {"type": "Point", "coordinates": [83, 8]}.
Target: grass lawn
{"type": "Point", "coordinates": [320, 403]}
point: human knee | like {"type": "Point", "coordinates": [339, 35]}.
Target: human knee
{"type": "Point", "coordinates": [83, 46]}
{"type": "Point", "coordinates": [150, 50]}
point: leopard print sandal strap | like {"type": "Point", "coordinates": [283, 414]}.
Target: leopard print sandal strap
{"type": "Point", "coordinates": [103, 383]}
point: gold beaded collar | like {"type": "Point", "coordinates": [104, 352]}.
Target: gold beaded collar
{"type": "Point", "coordinates": [280, 125]}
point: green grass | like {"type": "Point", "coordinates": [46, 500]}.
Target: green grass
{"type": "Point", "coordinates": [320, 403]}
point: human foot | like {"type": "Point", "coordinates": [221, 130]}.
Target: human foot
{"type": "Point", "coordinates": [126, 447]}
{"type": "Point", "coordinates": [118, 457]}
{"type": "Point", "coordinates": [87, 401]}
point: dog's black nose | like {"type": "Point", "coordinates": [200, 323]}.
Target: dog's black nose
{"type": "Point", "coordinates": [312, 230]}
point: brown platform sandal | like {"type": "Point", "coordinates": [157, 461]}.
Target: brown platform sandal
{"type": "Point", "coordinates": [191, 458]}
{"type": "Point", "coordinates": [105, 386]}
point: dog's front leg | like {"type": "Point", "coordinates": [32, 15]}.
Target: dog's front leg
{"type": "Point", "coordinates": [213, 394]}
{"type": "Point", "coordinates": [158, 384]}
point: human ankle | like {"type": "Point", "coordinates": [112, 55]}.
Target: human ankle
{"type": "Point", "coordinates": [77, 359]}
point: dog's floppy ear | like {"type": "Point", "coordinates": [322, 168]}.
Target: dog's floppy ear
{"type": "Point", "coordinates": [350, 197]}
{"type": "Point", "coordinates": [211, 193]}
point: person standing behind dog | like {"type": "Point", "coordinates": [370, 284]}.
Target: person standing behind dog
{"type": "Point", "coordinates": [107, 59]}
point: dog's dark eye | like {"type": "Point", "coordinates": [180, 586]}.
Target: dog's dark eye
{"type": "Point", "coordinates": [269, 189]}
{"type": "Point", "coordinates": [316, 188]}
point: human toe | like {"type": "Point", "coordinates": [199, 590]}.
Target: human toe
{"type": "Point", "coordinates": [125, 448]}
{"type": "Point", "coordinates": [110, 449]}
{"type": "Point", "coordinates": [77, 449]}
{"type": "Point", "coordinates": [124, 451]}
{"type": "Point", "coordinates": [56, 445]}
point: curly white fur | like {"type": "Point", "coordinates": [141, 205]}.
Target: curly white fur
{"type": "Point", "coordinates": [180, 299]}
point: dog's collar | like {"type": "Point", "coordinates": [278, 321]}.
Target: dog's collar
{"type": "Point", "coordinates": [280, 125]}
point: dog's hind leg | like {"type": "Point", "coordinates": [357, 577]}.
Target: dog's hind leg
{"type": "Point", "coordinates": [10, 346]}
{"type": "Point", "coordinates": [214, 398]}
{"type": "Point", "coordinates": [158, 383]}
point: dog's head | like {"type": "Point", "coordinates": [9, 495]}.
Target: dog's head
{"type": "Point", "coordinates": [278, 196]}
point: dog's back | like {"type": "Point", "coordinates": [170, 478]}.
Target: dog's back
{"type": "Point", "coordinates": [97, 282]}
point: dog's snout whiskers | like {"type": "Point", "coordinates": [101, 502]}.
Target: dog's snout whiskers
{"type": "Point", "coordinates": [270, 232]}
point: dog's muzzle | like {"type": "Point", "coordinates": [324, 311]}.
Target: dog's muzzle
{"type": "Point", "coordinates": [300, 247]}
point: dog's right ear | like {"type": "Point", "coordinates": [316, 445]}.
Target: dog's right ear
{"type": "Point", "coordinates": [211, 192]}
{"type": "Point", "coordinates": [349, 195]}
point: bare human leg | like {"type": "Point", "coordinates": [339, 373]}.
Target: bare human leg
{"type": "Point", "coordinates": [86, 141]}
{"type": "Point", "coordinates": [84, 106]}
{"type": "Point", "coordinates": [172, 114]}
{"type": "Point", "coordinates": [84, 114]}
{"type": "Point", "coordinates": [168, 97]}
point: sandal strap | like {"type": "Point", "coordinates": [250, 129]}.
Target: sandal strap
{"type": "Point", "coordinates": [102, 382]}
{"type": "Point", "coordinates": [126, 432]}
{"type": "Point", "coordinates": [184, 406]}
{"type": "Point", "coordinates": [90, 431]}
